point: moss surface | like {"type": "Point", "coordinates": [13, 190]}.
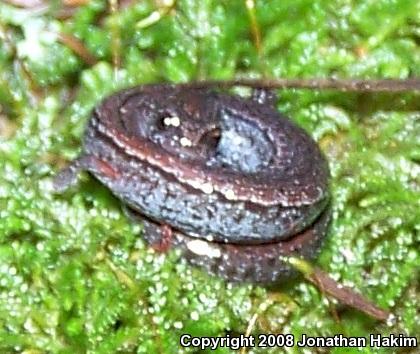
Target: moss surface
{"type": "Point", "coordinates": [75, 275]}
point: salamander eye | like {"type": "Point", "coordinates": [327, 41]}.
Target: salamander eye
{"type": "Point", "coordinates": [211, 139]}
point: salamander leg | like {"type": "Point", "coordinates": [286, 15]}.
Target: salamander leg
{"type": "Point", "coordinates": [69, 175]}
{"type": "Point", "coordinates": [165, 243]}
{"type": "Point", "coordinates": [158, 236]}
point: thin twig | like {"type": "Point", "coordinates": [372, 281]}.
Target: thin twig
{"type": "Point", "coordinates": [78, 47]}
{"type": "Point", "coordinates": [256, 35]}
{"type": "Point", "coordinates": [255, 29]}
{"type": "Point", "coordinates": [359, 85]}
{"type": "Point", "coordinates": [346, 295]}
{"type": "Point", "coordinates": [115, 39]}
{"type": "Point", "coordinates": [343, 294]}
{"type": "Point", "coordinates": [250, 327]}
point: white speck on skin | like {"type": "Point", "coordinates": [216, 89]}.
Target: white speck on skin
{"type": "Point", "coordinates": [185, 142]}
{"type": "Point", "coordinates": [173, 121]}
{"type": "Point", "coordinates": [207, 188]}
{"type": "Point", "coordinates": [230, 194]}
{"type": "Point", "coordinates": [202, 248]}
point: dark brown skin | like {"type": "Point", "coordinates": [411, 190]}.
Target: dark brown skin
{"type": "Point", "coordinates": [237, 183]}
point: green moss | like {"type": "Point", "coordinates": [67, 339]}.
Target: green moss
{"type": "Point", "coordinates": [75, 275]}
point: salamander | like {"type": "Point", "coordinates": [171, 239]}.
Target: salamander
{"type": "Point", "coordinates": [227, 179]}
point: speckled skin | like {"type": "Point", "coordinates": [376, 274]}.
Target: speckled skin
{"type": "Point", "coordinates": [212, 166]}
{"type": "Point", "coordinates": [243, 263]}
